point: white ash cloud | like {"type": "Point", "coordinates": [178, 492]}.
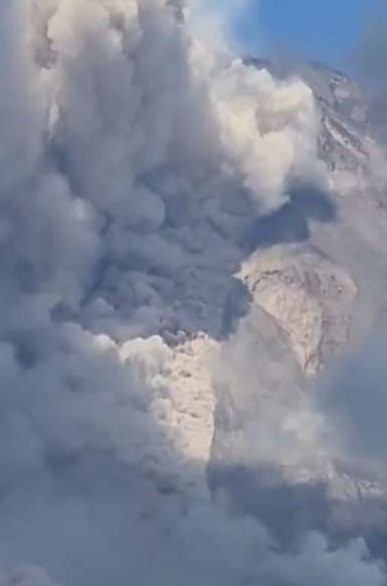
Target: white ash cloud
{"type": "Point", "coordinates": [132, 161]}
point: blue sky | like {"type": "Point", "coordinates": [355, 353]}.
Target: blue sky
{"type": "Point", "coordinates": [319, 29]}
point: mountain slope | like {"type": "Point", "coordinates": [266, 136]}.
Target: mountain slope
{"type": "Point", "coordinates": [323, 289]}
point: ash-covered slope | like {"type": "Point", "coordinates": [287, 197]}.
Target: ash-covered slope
{"type": "Point", "coordinates": [318, 277]}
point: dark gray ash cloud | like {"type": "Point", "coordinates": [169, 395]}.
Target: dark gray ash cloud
{"type": "Point", "coordinates": [133, 158]}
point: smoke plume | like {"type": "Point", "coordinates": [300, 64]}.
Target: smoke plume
{"type": "Point", "coordinates": [134, 159]}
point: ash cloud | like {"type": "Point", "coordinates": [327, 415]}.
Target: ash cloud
{"type": "Point", "coordinates": [369, 63]}
{"type": "Point", "coordinates": [133, 159]}
{"type": "Point", "coordinates": [371, 53]}
{"type": "Point", "coordinates": [353, 393]}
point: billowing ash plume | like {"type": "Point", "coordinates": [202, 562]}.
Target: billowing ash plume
{"type": "Point", "coordinates": [133, 163]}
{"type": "Point", "coordinates": [139, 130]}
